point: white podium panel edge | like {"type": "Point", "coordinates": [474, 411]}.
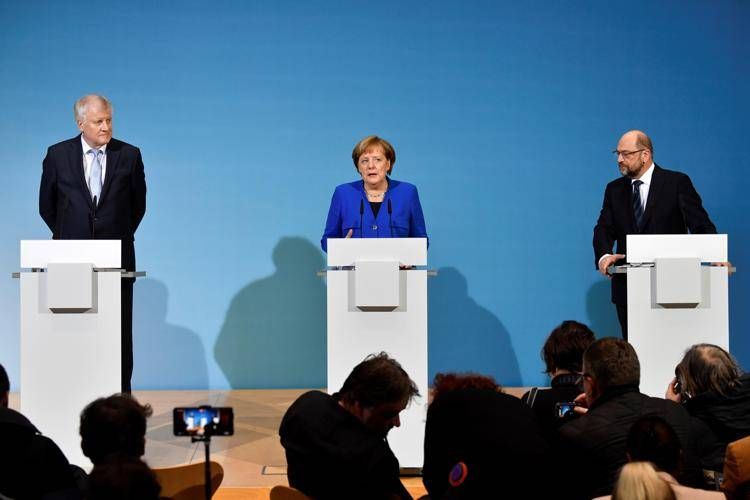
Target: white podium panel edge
{"type": "Point", "coordinates": [407, 251]}
{"type": "Point", "coordinates": [100, 253]}
{"type": "Point", "coordinates": [648, 247]}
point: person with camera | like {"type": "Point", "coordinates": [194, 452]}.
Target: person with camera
{"type": "Point", "coordinates": [711, 386]}
{"type": "Point", "coordinates": [563, 355]}
{"type": "Point", "coordinates": [336, 444]}
{"type": "Point", "coordinates": [611, 402]}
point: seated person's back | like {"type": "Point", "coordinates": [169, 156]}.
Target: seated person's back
{"type": "Point", "coordinates": [336, 445]}
{"type": "Point", "coordinates": [494, 435]}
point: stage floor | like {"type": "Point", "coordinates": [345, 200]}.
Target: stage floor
{"type": "Point", "coordinates": [253, 459]}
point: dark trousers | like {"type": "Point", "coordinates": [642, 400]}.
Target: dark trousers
{"type": "Point", "coordinates": [126, 305]}
{"type": "Point", "coordinates": [622, 316]}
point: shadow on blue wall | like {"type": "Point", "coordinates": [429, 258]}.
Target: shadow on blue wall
{"type": "Point", "coordinates": [274, 333]}
{"type": "Point", "coordinates": [601, 311]}
{"type": "Point", "coordinates": [465, 336]}
{"type": "Point", "coordinates": [166, 356]}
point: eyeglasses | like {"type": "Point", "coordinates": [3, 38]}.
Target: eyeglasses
{"type": "Point", "coordinates": [625, 154]}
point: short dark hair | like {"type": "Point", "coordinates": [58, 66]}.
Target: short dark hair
{"type": "Point", "coordinates": [708, 368]}
{"type": "Point", "coordinates": [114, 425]}
{"type": "Point", "coordinates": [120, 477]}
{"type": "Point", "coordinates": [4, 380]}
{"type": "Point", "coordinates": [652, 439]}
{"type": "Point", "coordinates": [564, 348]}
{"type": "Point", "coordinates": [612, 362]}
{"type": "Point", "coordinates": [379, 379]}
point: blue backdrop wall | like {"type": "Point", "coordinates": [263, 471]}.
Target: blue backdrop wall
{"type": "Point", "coordinates": [503, 113]}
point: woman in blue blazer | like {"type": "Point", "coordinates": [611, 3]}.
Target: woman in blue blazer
{"type": "Point", "coordinates": [376, 206]}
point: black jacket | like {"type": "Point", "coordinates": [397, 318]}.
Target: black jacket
{"type": "Point", "coordinates": [496, 436]}
{"type": "Point", "coordinates": [65, 202]}
{"type": "Point", "coordinates": [330, 454]}
{"type": "Point", "coordinates": [595, 443]}
{"type": "Point", "coordinates": [31, 465]}
{"type": "Point", "coordinates": [673, 207]}
{"type": "Point", "coordinates": [564, 388]}
{"type": "Point", "coordinates": [719, 420]}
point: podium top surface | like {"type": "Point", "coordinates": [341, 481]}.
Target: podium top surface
{"type": "Point", "coordinates": [100, 253]}
{"type": "Point", "coordinates": [407, 251]}
{"type": "Point", "coordinates": [648, 247]}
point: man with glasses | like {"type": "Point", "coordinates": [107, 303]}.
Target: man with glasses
{"type": "Point", "coordinates": [647, 199]}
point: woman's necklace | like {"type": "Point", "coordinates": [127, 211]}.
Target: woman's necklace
{"type": "Point", "coordinates": [376, 196]}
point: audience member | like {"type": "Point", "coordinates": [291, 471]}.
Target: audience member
{"type": "Point", "coordinates": [596, 442]}
{"type": "Point", "coordinates": [736, 483]}
{"type": "Point", "coordinates": [114, 425]}
{"type": "Point", "coordinates": [494, 435]}
{"type": "Point", "coordinates": [31, 465]}
{"type": "Point", "coordinates": [714, 391]}
{"type": "Point", "coordinates": [640, 481]}
{"type": "Point", "coordinates": [563, 355]}
{"type": "Point", "coordinates": [336, 445]}
{"type": "Point", "coordinates": [122, 477]}
{"type": "Point", "coordinates": [652, 440]}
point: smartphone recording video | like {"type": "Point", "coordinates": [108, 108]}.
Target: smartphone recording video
{"type": "Point", "coordinates": [203, 421]}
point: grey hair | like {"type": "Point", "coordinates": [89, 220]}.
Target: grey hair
{"type": "Point", "coordinates": [80, 108]}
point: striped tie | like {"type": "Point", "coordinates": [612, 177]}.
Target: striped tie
{"type": "Point", "coordinates": [637, 205]}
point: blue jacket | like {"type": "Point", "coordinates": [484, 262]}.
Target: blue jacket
{"type": "Point", "coordinates": [404, 219]}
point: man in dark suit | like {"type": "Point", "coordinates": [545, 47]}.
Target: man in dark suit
{"type": "Point", "coordinates": [93, 187]}
{"type": "Point", "coordinates": [646, 200]}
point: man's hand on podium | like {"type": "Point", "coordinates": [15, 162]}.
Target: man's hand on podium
{"type": "Point", "coordinates": [727, 264]}
{"type": "Point", "coordinates": [607, 261]}
{"type": "Point", "coordinates": [349, 234]}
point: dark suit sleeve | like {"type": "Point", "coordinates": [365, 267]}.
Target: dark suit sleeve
{"type": "Point", "coordinates": [138, 191]}
{"type": "Point", "coordinates": [48, 192]}
{"type": "Point", "coordinates": [696, 217]}
{"type": "Point", "coordinates": [604, 231]}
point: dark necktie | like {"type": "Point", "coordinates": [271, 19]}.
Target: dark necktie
{"type": "Point", "coordinates": [637, 205]}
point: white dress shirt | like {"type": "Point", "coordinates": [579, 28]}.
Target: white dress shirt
{"type": "Point", "coordinates": [88, 158]}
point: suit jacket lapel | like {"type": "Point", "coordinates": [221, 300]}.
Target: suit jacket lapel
{"type": "Point", "coordinates": [653, 193]}
{"type": "Point", "coordinates": [113, 157]}
{"type": "Point", "coordinates": [75, 160]}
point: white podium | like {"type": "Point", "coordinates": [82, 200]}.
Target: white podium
{"type": "Point", "coordinates": [674, 301]}
{"type": "Point", "coordinates": [374, 306]}
{"type": "Point", "coordinates": [70, 333]}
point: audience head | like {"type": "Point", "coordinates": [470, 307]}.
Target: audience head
{"type": "Point", "coordinates": [376, 391]}
{"type": "Point", "coordinates": [640, 481]}
{"type": "Point", "coordinates": [447, 382]}
{"type": "Point", "coordinates": [707, 368]}
{"type": "Point", "coordinates": [607, 363]}
{"type": "Point", "coordinates": [4, 387]}
{"type": "Point", "coordinates": [652, 439]}
{"type": "Point", "coordinates": [564, 348]}
{"type": "Point", "coordinates": [121, 477]}
{"type": "Point", "coordinates": [114, 425]}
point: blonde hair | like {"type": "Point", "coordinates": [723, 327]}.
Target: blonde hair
{"type": "Point", "coordinates": [372, 142]}
{"type": "Point", "coordinates": [639, 481]}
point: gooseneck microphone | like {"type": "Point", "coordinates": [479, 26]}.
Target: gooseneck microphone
{"type": "Point", "coordinates": [390, 214]}
{"type": "Point", "coordinates": [361, 215]}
